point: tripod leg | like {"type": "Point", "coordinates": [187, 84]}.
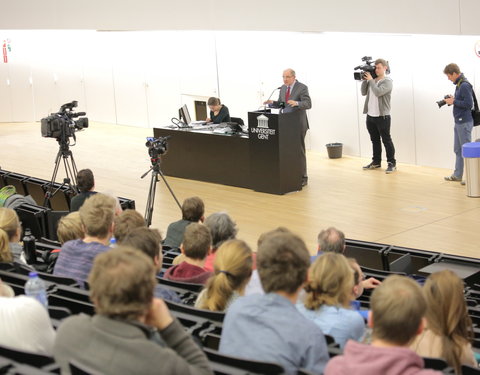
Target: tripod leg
{"type": "Point", "coordinates": [170, 189]}
{"type": "Point", "coordinates": [151, 199]}
{"type": "Point", "coordinates": [48, 193]}
{"type": "Point", "coordinates": [70, 171]}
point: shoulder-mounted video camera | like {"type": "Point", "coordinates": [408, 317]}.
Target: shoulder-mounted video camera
{"type": "Point", "coordinates": [62, 125]}
{"type": "Point", "coordinates": [368, 66]}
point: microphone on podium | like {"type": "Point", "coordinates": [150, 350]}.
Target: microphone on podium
{"type": "Point", "coordinates": [265, 105]}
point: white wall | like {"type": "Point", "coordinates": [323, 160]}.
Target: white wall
{"type": "Point", "coordinates": [389, 16]}
{"type": "Point", "coordinates": [142, 78]}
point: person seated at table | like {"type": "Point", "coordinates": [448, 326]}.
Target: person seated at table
{"type": "Point", "coordinates": [218, 112]}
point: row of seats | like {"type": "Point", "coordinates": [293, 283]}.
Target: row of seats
{"type": "Point", "coordinates": [42, 218]}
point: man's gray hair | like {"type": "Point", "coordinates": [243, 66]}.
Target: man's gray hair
{"type": "Point", "coordinates": [222, 228]}
{"type": "Point", "coordinates": [331, 239]}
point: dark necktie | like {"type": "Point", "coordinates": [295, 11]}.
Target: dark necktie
{"type": "Point", "coordinates": [287, 95]}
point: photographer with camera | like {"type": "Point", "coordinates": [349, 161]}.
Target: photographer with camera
{"type": "Point", "coordinates": [462, 115]}
{"type": "Point", "coordinates": [378, 92]}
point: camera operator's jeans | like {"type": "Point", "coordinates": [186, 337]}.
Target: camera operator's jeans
{"type": "Point", "coordinates": [462, 134]}
{"type": "Point", "coordinates": [379, 130]}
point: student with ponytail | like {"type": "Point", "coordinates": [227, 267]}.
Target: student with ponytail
{"type": "Point", "coordinates": [232, 271]}
{"type": "Point", "coordinates": [449, 329]}
{"type": "Point", "coordinates": [10, 231]}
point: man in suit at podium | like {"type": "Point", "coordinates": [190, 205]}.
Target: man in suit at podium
{"type": "Point", "coordinates": [294, 96]}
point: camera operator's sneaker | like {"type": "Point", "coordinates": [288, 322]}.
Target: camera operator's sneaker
{"type": "Point", "coordinates": [391, 168]}
{"type": "Point", "coordinates": [452, 178]}
{"type": "Point", "coordinates": [372, 165]}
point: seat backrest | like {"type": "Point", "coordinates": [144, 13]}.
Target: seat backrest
{"type": "Point", "coordinates": [214, 316]}
{"type": "Point", "coordinates": [23, 356]}
{"type": "Point", "coordinates": [25, 270]}
{"type": "Point", "coordinates": [435, 363]}
{"type": "Point", "coordinates": [178, 284]}
{"type": "Point", "coordinates": [252, 366]}
{"type": "Point", "coordinates": [468, 370]}
{"type": "Point", "coordinates": [77, 368]}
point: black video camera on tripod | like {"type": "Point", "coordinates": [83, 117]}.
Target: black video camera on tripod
{"type": "Point", "coordinates": [62, 124]}
{"type": "Point", "coordinates": [156, 148]}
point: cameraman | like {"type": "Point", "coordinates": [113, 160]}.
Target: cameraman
{"type": "Point", "coordinates": [377, 108]}
{"type": "Point", "coordinates": [462, 115]}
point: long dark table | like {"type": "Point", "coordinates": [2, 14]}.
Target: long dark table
{"type": "Point", "coordinates": [267, 160]}
{"type": "Point", "coordinates": [206, 156]}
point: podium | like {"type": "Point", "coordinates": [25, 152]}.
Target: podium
{"type": "Point", "coordinates": [275, 151]}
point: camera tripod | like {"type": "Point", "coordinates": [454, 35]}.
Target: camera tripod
{"type": "Point", "coordinates": [156, 171]}
{"type": "Point", "coordinates": [70, 170]}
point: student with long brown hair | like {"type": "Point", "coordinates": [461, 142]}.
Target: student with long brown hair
{"type": "Point", "coordinates": [232, 271]}
{"type": "Point", "coordinates": [449, 329]}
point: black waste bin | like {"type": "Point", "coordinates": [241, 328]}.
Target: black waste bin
{"type": "Point", "coordinates": [334, 150]}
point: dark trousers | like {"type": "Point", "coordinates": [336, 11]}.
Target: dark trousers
{"type": "Point", "coordinates": [379, 130]}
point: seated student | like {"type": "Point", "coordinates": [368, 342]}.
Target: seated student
{"type": "Point", "coordinates": [195, 247]}
{"type": "Point", "coordinates": [333, 240]}
{"type": "Point", "coordinates": [328, 295]}
{"type": "Point", "coordinates": [449, 331]}
{"type": "Point", "coordinates": [70, 228]}
{"type": "Point", "coordinates": [25, 325]}
{"type": "Point", "coordinates": [86, 184]}
{"type": "Point", "coordinates": [268, 327]}
{"type": "Point", "coordinates": [330, 240]}
{"type": "Point", "coordinates": [10, 232]}
{"type": "Point", "coordinates": [193, 210]}
{"type": "Point", "coordinates": [222, 228]}
{"type": "Point", "coordinates": [126, 222]}
{"type": "Point", "coordinates": [232, 270]}
{"type": "Point", "coordinates": [148, 242]}
{"type": "Point", "coordinates": [76, 257]}
{"type": "Point", "coordinates": [358, 288]}
{"type": "Point", "coordinates": [218, 112]}
{"type": "Point", "coordinates": [123, 336]}
{"type": "Point", "coordinates": [254, 286]}
{"type": "Point", "coordinates": [398, 307]}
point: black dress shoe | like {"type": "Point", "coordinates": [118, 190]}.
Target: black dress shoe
{"type": "Point", "coordinates": [304, 181]}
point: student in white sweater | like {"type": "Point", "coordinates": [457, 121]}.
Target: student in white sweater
{"type": "Point", "coordinates": [25, 325]}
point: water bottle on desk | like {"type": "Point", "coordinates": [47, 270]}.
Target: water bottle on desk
{"type": "Point", "coordinates": [35, 287]}
{"type": "Point", "coordinates": [29, 247]}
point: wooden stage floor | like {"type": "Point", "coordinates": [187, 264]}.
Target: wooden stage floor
{"type": "Point", "coordinates": [413, 207]}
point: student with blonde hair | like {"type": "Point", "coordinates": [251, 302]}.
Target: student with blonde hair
{"type": "Point", "coordinates": [329, 292]}
{"type": "Point", "coordinates": [449, 329]}
{"type": "Point", "coordinates": [76, 257]}
{"type": "Point", "coordinates": [10, 231]}
{"type": "Point", "coordinates": [70, 228]}
{"type": "Point", "coordinates": [232, 271]}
